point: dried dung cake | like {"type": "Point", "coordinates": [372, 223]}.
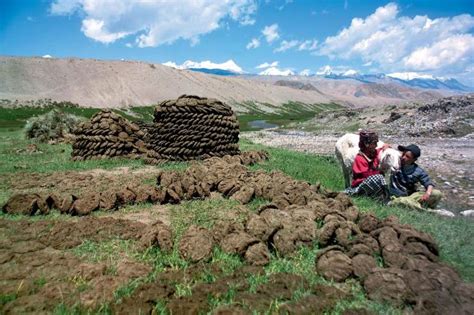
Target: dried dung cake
{"type": "Point", "coordinates": [191, 128]}
{"type": "Point", "coordinates": [107, 135]}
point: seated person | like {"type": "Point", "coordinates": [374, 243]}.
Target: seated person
{"type": "Point", "coordinates": [367, 178]}
{"type": "Point", "coordinates": [403, 183]}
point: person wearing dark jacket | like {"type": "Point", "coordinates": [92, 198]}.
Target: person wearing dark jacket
{"type": "Point", "coordinates": [404, 182]}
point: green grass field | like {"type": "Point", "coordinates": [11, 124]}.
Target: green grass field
{"type": "Point", "coordinates": [454, 236]}
{"type": "Point", "coordinates": [292, 112]}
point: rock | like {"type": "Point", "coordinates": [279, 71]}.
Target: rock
{"type": "Point", "coordinates": [467, 213]}
{"type": "Point", "coordinates": [442, 212]}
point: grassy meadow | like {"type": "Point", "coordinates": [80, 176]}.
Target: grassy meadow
{"type": "Point", "coordinates": [13, 118]}
{"type": "Point", "coordinates": [454, 236]}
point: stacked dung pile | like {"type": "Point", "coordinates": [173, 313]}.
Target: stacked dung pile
{"type": "Point", "coordinates": [192, 128]}
{"type": "Point", "coordinates": [144, 126]}
{"type": "Point", "coordinates": [107, 135]}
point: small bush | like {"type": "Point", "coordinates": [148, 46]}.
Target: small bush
{"type": "Point", "coordinates": [54, 125]}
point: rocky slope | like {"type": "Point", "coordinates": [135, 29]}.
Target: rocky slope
{"type": "Point", "coordinates": [446, 117]}
{"type": "Point", "coordinates": [355, 93]}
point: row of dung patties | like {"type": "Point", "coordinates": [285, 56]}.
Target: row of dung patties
{"type": "Point", "coordinates": [191, 128]}
{"type": "Point", "coordinates": [394, 262]}
{"type": "Point", "coordinates": [106, 135]}
{"type": "Point", "coordinates": [172, 188]}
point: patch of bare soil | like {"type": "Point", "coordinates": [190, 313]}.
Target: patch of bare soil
{"type": "Point", "coordinates": [38, 272]}
{"type": "Point", "coordinates": [77, 182]}
{"type": "Point", "coordinates": [234, 288]}
{"type": "Point", "coordinates": [146, 215]}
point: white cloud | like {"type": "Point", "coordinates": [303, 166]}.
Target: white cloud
{"type": "Point", "coordinates": [409, 75]}
{"type": "Point", "coordinates": [229, 65]}
{"type": "Point", "coordinates": [276, 71]}
{"type": "Point", "coordinates": [154, 23]}
{"type": "Point", "coordinates": [285, 45]}
{"type": "Point", "coordinates": [172, 65]}
{"type": "Point", "coordinates": [254, 43]}
{"type": "Point", "coordinates": [400, 43]}
{"type": "Point", "coordinates": [267, 65]}
{"type": "Point", "coordinates": [308, 45]}
{"type": "Point", "coordinates": [47, 56]}
{"type": "Point", "coordinates": [65, 7]}
{"type": "Point", "coordinates": [95, 29]}
{"type": "Point", "coordinates": [280, 8]}
{"type": "Point", "coordinates": [271, 33]}
{"type": "Point", "coordinates": [442, 54]}
{"type": "Point", "coordinates": [305, 72]}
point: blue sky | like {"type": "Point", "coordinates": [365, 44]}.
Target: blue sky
{"type": "Point", "coordinates": [282, 36]}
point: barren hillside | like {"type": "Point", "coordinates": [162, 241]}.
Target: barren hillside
{"type": "Point", "coordinates": [354, 93]}
{"type": "Point", "coordinates": [97, 83]}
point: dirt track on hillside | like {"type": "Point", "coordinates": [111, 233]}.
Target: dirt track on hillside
{"type": "Point", "coordinates": [448, 160]}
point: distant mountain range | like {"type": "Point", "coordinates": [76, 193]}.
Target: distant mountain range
{"type": "Point", "coordinates": [215, 71]}
{"type": "Point", "coordinates": [102, 83]}
{"type": "Point", "coordinates": [422, 82]}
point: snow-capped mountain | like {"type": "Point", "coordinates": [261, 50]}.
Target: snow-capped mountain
{"type": "Point", "coordinates": [410, 79]}
{"type": "Point", "coordinates": [226, 68]}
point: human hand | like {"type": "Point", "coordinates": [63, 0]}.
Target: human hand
{"type": "Point", "coordinates": [425, 197]}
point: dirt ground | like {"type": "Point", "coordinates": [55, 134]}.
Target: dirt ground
{"type": "Point", "coordinates": [448, 160]}
{"type": "Point", "coordinates": [38, 271]}
{"type": "Point", "coordinates": [79, 182]}
{"type": "Point", "coordinates": [41, 269]}
{"type": "Point", "coordinates": [101, 258]}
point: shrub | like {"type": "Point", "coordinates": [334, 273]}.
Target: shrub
{"type": "Point", "coordinates": [54, 125]}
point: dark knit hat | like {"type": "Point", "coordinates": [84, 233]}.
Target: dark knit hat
{"type": "Point", "coordinates": [413, 148]}
{"type": "Point", "coordinates": [368, 137]}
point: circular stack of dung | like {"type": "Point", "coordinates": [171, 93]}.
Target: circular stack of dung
{"type": "Point", "coordinates": [107, 135]}
{"type": "Point", "coordinates": [191, 128]}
